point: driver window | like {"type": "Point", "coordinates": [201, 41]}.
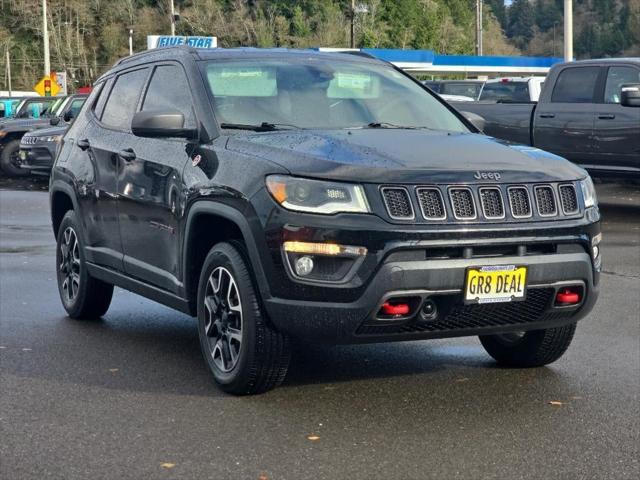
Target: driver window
{"type": "Point", "coordinates": [616, 77]}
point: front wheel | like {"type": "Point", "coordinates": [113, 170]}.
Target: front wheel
{"type": "Point", "coordinates": [529, 349]}
{"type": "Point", "coordinates": [245, 354]}
{"type": "Point", "coordinates": [10, 160]}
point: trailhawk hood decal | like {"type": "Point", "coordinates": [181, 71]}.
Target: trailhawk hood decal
{"type": "Point", "coordinates": [403, 156]}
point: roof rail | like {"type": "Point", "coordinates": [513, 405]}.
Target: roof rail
{"type": "Point", "coordinates": [184, 48]}
{"type": "Point", "coordinates": [359, 53]}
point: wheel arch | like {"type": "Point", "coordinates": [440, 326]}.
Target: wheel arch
{"type": "Point", "coordinates": [207, 224]}
{"type": "Point", "coordinates": [62, 200]}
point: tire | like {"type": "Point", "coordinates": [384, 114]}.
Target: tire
{"type": "Point", "coordinates": [530, 349]}
{"type": "Point", "coordinates": [245, 354]}
{"type": "Point", "coordinates": [82, 295]}
{"type": "Point", "coordinates": [8, 160]}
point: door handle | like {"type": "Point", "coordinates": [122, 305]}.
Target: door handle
{"type": "Point", "coordinates": [127, 154]}
{"type": "Point", "coordinates": [83, 144]}
{"type": "Point", "coordinates": [609, 116]}
{"type": "Point", "coordinates": [547, 115]}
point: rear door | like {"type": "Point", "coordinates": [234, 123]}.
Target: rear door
{"type": "Point", "coordinates": [564, 119]}
{"type": "Point", "coordinates": [103, 139]}
{"type": "Point", "coordinates": [617, 128]}
{"type": "Point", "coordinates": [151, 193]}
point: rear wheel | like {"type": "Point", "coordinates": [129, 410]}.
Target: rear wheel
{"type": "Point", "coordinates": [245, 354]}
{"type": "Point", "coordinates": [529, 349]}
{"type": "Point", "coordinates": [82, 295]}
{"type": "Point", "coordinates": [10, 160]}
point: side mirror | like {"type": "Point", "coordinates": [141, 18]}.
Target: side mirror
{"type": "Point", "coordinates": [68, 116]}
{"type": "Point", "coordinates": [630, 95]}
{"type": "Point", "coordinates": [475, 119]}
{"type": "Point", "coordinates": [54, 121]}
{"type": "Point", "coordinates": [154, 124]}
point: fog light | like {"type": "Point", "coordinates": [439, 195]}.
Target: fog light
{"type": "Point", "coordinates": [304, 266]}
{"type": "Point", "coordinates": [596, 251]}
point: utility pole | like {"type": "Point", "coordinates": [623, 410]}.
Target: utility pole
{"type": "Point", "coordinates": [173, 18]}
{"type": "Point", "coordinates": [9, 71]}
{"type": "Point", "coordinates": [479, 28]}
{"type": "Point", "coordinates": [353, 17]}
{"type": "Point", "coordinates": [568, 30]}
{"type": "Point", "coordinates": [45, 34]}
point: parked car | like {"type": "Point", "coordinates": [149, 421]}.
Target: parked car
{"type": "Point", "coordinates": [8, 106]}
{"type": "Point", "coordinates": [38, 149]}
{"type": "Point", "coordinates": [282, 195]}
{"type": "Point", "coordinates": [512, 89]}
{"type": "Point", "coordinates": [464, 88]}
{"type": "Point", "coordinates": [588, 112]}
{"type": "Point", "coordinates": [51, 111]}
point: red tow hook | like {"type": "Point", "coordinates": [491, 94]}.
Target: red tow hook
{"type": "Point", "coordinates": [397, 309]}
{"type": "Point", "coordinates": [567, 297]}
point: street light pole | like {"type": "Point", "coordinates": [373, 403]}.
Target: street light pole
{"type": "Point", "coordinates": [130, 41]}
{"type": "Point", "coordinates": [568, 30]}
{"type": "Point", "coordinates": [45, 34]}
{"type": "Point", "coordinates": [9, 71]}
{"type": "Point", "coordinates": [479, 28]}
{"type": "Point", "coordinates": [173, 19]}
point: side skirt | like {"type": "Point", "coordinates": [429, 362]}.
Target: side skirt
{"type": "Point", "coordinates": [141, 288]}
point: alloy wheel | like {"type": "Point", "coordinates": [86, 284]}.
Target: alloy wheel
{"type": "Point", "coordinates": [223, 319]}
{"type": "Point", "coordinates": [70, 264]}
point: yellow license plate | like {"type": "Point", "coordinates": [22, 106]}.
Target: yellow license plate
{"type": "Point", "coordinates": [496, 283]}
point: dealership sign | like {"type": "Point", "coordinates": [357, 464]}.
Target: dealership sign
{"type": "Point", "coordinates": [158, 41]}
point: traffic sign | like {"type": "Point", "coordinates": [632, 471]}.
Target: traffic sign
{"type": "Point", "coordinates": [47, 87]}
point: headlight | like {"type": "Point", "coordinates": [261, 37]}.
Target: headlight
{"type": "Point", "coordinates": [52, 138]}
{"type": "Point", "coordinates": [588, 193]}
{"type": "Point", "coordinates": [315, 196]}
{"type": "Point", "coordinates": [2, 133]}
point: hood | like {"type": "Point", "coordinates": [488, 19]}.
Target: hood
{"type": "Point", "coordinates": [24, 123]}
{"type": "Point", "coordinates": [47, 132]}
{"type": "Point", "coordinates": [404, 156]}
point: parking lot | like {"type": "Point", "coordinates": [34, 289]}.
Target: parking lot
{"type": "Point", "coordinates": [129, 396]}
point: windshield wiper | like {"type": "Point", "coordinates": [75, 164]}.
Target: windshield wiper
{"type": "Point", "coordinates": [392, 125]}
{"type": "Point", "coordinates": [263, 127]}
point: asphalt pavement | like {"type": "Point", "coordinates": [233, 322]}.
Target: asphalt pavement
{"type": "Point", "coordinates": [129, 396]}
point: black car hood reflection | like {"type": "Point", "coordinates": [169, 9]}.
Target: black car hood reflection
{"type": "Point", "coordinates": [402, 156]}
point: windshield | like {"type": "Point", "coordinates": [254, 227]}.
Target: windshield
{"type": "Point", "coordinates": [316, 93]}
{"type": "Point", "coordinates": [36, 107]}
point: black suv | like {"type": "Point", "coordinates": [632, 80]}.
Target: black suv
{"type": "Point", "coordinates": [283, 195]}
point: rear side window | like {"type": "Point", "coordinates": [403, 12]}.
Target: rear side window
{"type": "Point", "coordinates": [169, 90]}
{"type": "Point", "coordinates": [576, 85]}
{"type": "Point", "coordinates": [506, 92]}
{"type": "Point", "coordinates": [123, 100]}
{"type": "Point", "coordinates": [100, 98]}
{"type": "Point", "coordinates": [463, 89]}
{"type": "Point", "coordinates": [616, 78]}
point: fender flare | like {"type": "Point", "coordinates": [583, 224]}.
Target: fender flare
{"type": "Point", "coordinates": [58, 186]}
{"type": "Point", "coordinates": [207, 207]}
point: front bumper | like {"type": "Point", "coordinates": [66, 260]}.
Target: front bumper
{"type": "Point", "coordinates": [442, 281]}
{"type": "Point", "coordinates": [36, 158]}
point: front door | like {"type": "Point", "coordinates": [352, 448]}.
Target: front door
{"type": "Point", "coordinates": [564, 123]}
{"type": "Point", "coordinates": [617, 128]}
{"type": "Point", "coordinates": [151, 194]}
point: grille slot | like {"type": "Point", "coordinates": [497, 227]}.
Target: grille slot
{"type": "Point", "coordinates": [431, 203]}
{"type": "Point", "coordinates": [462, 203]}
{"type": "Point", "coordinates": [546, 201]}
{"type": "Point", "coordinates": [569, 199]}
{"type": "Point", "coordinates": [460, 317]}
{"type": "Point", "coordinates": [491, 199]}
{"type": "Point", "coordinates": [398, 203]}
{"type": "Point", "coordinates": [29, 140]}
{"type": "Point", "coordinates": [519, 202]}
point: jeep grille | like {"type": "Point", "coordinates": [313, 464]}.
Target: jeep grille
{"type": "Point", "coordinates": [398, 203]}
{"type": "Point", "coordinates": [546, 201]}
{"type": "Point", "coordinates": [569, 199]}
{"type": "Point", "coordinates": [431, 203]}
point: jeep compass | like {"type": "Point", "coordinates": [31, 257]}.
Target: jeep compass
{"type": "Point", "coordinates": [280, 195]}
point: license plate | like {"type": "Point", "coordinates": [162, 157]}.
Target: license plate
{"type": "Point", "coordinates": [496, 283]}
